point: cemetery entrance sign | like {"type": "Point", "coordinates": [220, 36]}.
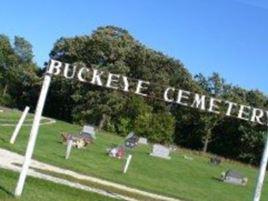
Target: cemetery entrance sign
{"type": "Point", "coordinates": [170, 94]}
{"type": "Point", "coordinates": [123, 83]}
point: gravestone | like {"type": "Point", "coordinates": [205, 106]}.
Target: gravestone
{"type": "Point", "coordinates": [89, 130]}
{"type": "Point", "coordinates": [215, 160]}
{"type": "Point", "coordinates": [172, 148]}
{"type": "Point", "coordinates": [234, 177]}
{"type": "Point", "coordinates": [131, 140]}
{"type": "Point", "coordinates": [160, 151]}
{"type": "Point", "coordinates": [143, 140]}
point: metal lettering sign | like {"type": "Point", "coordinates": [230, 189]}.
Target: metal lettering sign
{"type": "Point", "coordinates": [170, 94]}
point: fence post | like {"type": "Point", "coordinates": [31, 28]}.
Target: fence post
{"type": "Point", "coordinates": [259, 185]}
{"type": "Point", "coordinates": [127, 163]}
{"type": "Point", "coordinates": [69, 148]}
{"type": "Point", "coordinates": [18, 127]}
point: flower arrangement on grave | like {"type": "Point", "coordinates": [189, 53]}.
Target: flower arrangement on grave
{"type": "Point", "coordinates": [79, 141]}
{"type": "Point", "coordinates": [117, 152]}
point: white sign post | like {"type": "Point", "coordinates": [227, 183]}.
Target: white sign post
{"type": "Point", "coordinates": [127, 163]}
{"type": "Point", "coordinates": [33, 135]}
{"type": "Point", "coordinates": [258, 190]}
{"type": "Point", "coordinates": [69, 149]}
{"type": "Point", "coordinates": [18, 127]}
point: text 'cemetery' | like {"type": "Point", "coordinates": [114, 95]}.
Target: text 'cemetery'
{"type": "Point", "coordinates": [170, 94]}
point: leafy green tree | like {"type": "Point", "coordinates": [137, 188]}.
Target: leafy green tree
{"type": "Point", "coordinates": [114, 49]}
{"type": "Point", "coordinates": [25, 85]}
{"type": "Point", "coordinates": [157, 127]}
{"type": "Point", "coordinates": [23, 49]}
{"type": "Point", "coordinates": [8, 60]}
{"type": "Point", "coordinates": [213, 86]}
{"type": "Point", "coordinates": [19, 73]}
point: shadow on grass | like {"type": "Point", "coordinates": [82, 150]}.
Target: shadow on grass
{"type": "Point", "coordinates": [217, 179]}
{"type": "Point", "coordinates": [6, 191]}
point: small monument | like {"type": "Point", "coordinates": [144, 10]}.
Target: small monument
{"type": "Point", "coordinates": [143, 140]}
{"type": "Point", "coordinates": [89, 130]}
{"type": "Point", "coordinates": [234, 177]}
{"type": "Point", "coordinates": [160, 151]}
{"type": "Point", "coordinates": [215, 160]}
{"type": "Point", "coordinates": [173, 148]}
{"type": "Point", "coordinates": [131, 140]}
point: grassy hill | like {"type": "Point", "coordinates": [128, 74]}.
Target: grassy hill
{"type": "Point", "coordinates": [190, 180]}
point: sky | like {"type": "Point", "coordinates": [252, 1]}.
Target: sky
{"type": "Point", "coordinates": [225, 36]}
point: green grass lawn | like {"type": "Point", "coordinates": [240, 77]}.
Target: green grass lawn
{"type": "Point", "coordinates": [40, 190]}
{"type": "Point", "coordinates": [194, 180]}
{"type": "Point", "coordinates": [11, 117]}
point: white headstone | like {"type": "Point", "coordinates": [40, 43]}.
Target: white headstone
{"type": "Point", "coordinates": [160, 151]}
{"type": "Point", "coordinates": [90, 130]}
{"type": "Point", "coordinates": [143, 140]}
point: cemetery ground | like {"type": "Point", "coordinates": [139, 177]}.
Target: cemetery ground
{"type": "Point", "coordinates": [37, 189]}
{"type": "Point", "coordinates": [188, 180]}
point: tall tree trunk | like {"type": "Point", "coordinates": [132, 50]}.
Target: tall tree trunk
{"type": "Point", "coordinates": [102, 121]}
{"type": "Point", "coordinates": [5, 90]}
{"type": "Point", "coordinates": [205, 146]}
{"type": "Point", "coordinates": [206, 141]}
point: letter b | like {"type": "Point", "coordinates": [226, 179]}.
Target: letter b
{"type": "Point", "coordinates": [54, 67]}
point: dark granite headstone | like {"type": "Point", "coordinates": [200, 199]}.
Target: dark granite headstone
{"type": "Point", "coordinates": [131, 140]}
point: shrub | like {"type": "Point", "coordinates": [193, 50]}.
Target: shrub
{"type": "Point", "coordinates": [157, 127]}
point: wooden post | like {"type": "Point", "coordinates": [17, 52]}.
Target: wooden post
{"type": "Point", "coordinates": [258, 189]}
{"type": "Point", "coordinates": [127, 163]}
{"type": "Point", "coordinates": [69, 149]}
{"type": "Point", "coordinates": [33, 135]}
{"type": "Point", "coordinates": [18, 127]}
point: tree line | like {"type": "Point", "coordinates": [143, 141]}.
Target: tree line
{"type": "Point", "coordinates": [114, 49]}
